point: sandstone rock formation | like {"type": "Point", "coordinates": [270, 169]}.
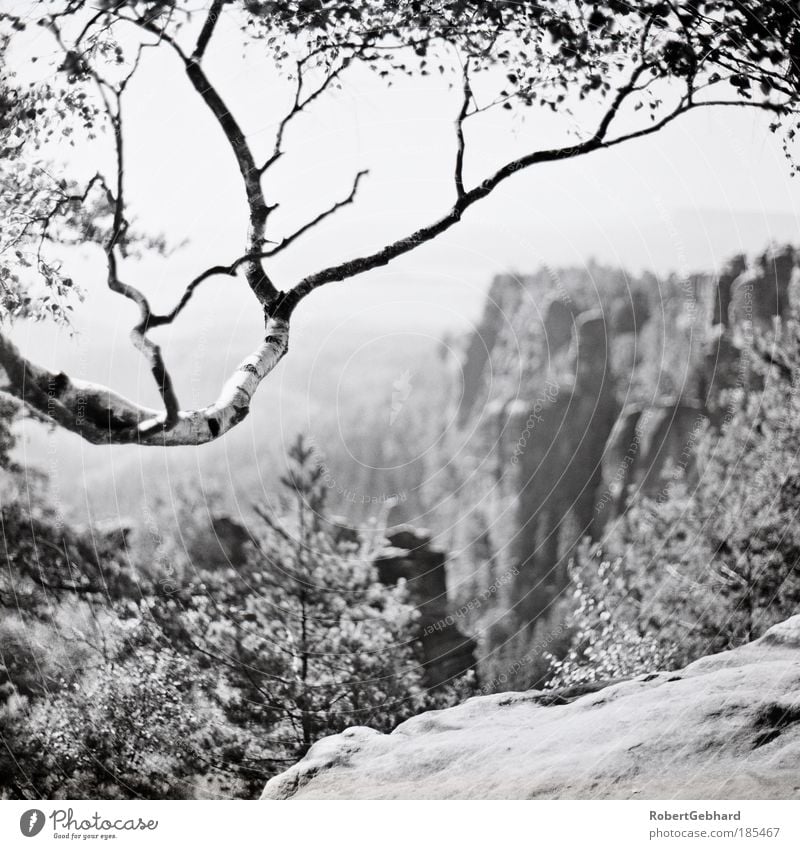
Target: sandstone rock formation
{"type": "Point", "coordinates": [446, 652]}
{"type": "Point", "coordinates": [501, 302]}
{"type": "Point", "coordinates": [559, 469]}
{"type": "Point", "coordinates": [557, 358]}
{"type": "Point", "coordinates": [646, 441]}
{"type": "Point", "coordinates": [723, 295]}
{"type": "Point", "coordinates": [725, 727]}
{"type": "Point", "coordinates": [762, 292]}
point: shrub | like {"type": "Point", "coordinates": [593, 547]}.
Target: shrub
{"type": "Point", "coordinates": [138, 726]}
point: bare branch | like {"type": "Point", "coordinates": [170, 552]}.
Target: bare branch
{"type": "Point", "coordinates": [460, 146]}
{"type": "Point", "coordinates": [299, 104]}
{"type": "Point", "coordinates": [256, 277]}
{"type": "Point", "coordinates": [687, 105]}
{"type": "Point", "coordinates": [157, 320]}
{"type": "Point", "coordinates": [259, 211]}
{"type": "Point", "coordinates": [389, 252]}
{"type": "Point", "coordinates": [149, 349]}
{"type": "Point", "coordinates": [597, 141]}
{"type": "Point", "coordinates": [208, 29]}
{"type": "Point", "coordinates": [284, 243]}
{"type": "Point", "coordinates": [619, 99]}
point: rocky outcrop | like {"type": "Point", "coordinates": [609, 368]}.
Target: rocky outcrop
{"type": "Point", "coordinates": [582, 389]}
{"type": "Point", "coordinates": [501, 302]}
{"type": "Point", "coordinates": [725, 727]}
{"type": "Point", "coordinates": [762, 292]}
{"type": "Point", "coordinates": [646, 442]}
{"type": "Point", "coordinates": [731, 272]}
{"type": "Point", "coordinates": [446, 652]}
{"type": "Point", "coordinates": [232, 538]}
{"type": "Point", "coordinates": [561, 441]}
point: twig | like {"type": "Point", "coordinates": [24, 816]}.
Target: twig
{"type": "Point", "coordinates": [288, 240]}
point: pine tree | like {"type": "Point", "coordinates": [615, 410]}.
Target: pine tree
{"type": "Point", "coordinates": [309, 641]}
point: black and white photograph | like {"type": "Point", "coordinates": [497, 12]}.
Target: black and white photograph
{"type": "Point", "coordinates": [399, 404]}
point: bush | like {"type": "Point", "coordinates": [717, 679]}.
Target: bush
{"type": "Point", "coordinates": [605, 645]}
{"type": "Point", "coordinates": [135, 727]}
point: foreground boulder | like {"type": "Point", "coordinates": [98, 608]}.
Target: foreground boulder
{"type": "Point", "coordinates": [727, 726]}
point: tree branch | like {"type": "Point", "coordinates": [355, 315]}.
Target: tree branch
{"type": "Point", "coordinates": [622, 94]}
{"type": "Point", "coordinates": [460, 146]}
{"type": "Point", "coordinates": [389, 252]}
{"type": "Point", "coordinates": [102, 416]}
{"type": "Point", "coordinates": [597, 141]}
{"type": "Point", "coordinates": [299, 104]}
{"type": "Point", "coordinates": [208, 29]}
{"type": "Point", "coordinates": [288, 240]}
{"type": "Point", "coordinates": [145, 346]}
{"type": "Point", "coordinates": [259, 211]}
{"type": "Point", "coordinates": [119, 226]}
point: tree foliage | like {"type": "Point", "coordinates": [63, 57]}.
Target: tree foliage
{"type": "Point", "coordinates": [137, 726]}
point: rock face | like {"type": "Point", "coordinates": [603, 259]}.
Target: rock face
{"type": "Point", "coordinates": [582, 389]}
{"type": "Point", "coordinates": [501, 302]}
{"type": "Point", "coordinates": [646, 441]}
{"type": "Point", "coordinates": [446, 652]}
{"type": "Point", "coordinates": [724, 289]}
{"type": "Point", "coordinates": [725, 727]}
{"type": "Point", "coordinates": [762, 292]}
{"type": "Point", "coordinates": [558, 470]}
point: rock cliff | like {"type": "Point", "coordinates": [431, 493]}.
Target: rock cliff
{"type": "Point", "coordinates": [727, 726]}
{"type": "Point", "coordinates": [581, 390]}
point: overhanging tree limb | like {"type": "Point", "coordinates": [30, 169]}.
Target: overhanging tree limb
{"type": "Point", "coordinates": [102, 416]}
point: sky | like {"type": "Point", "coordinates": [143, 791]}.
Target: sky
{"type": "Point", "coordinates": [711, 184]}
